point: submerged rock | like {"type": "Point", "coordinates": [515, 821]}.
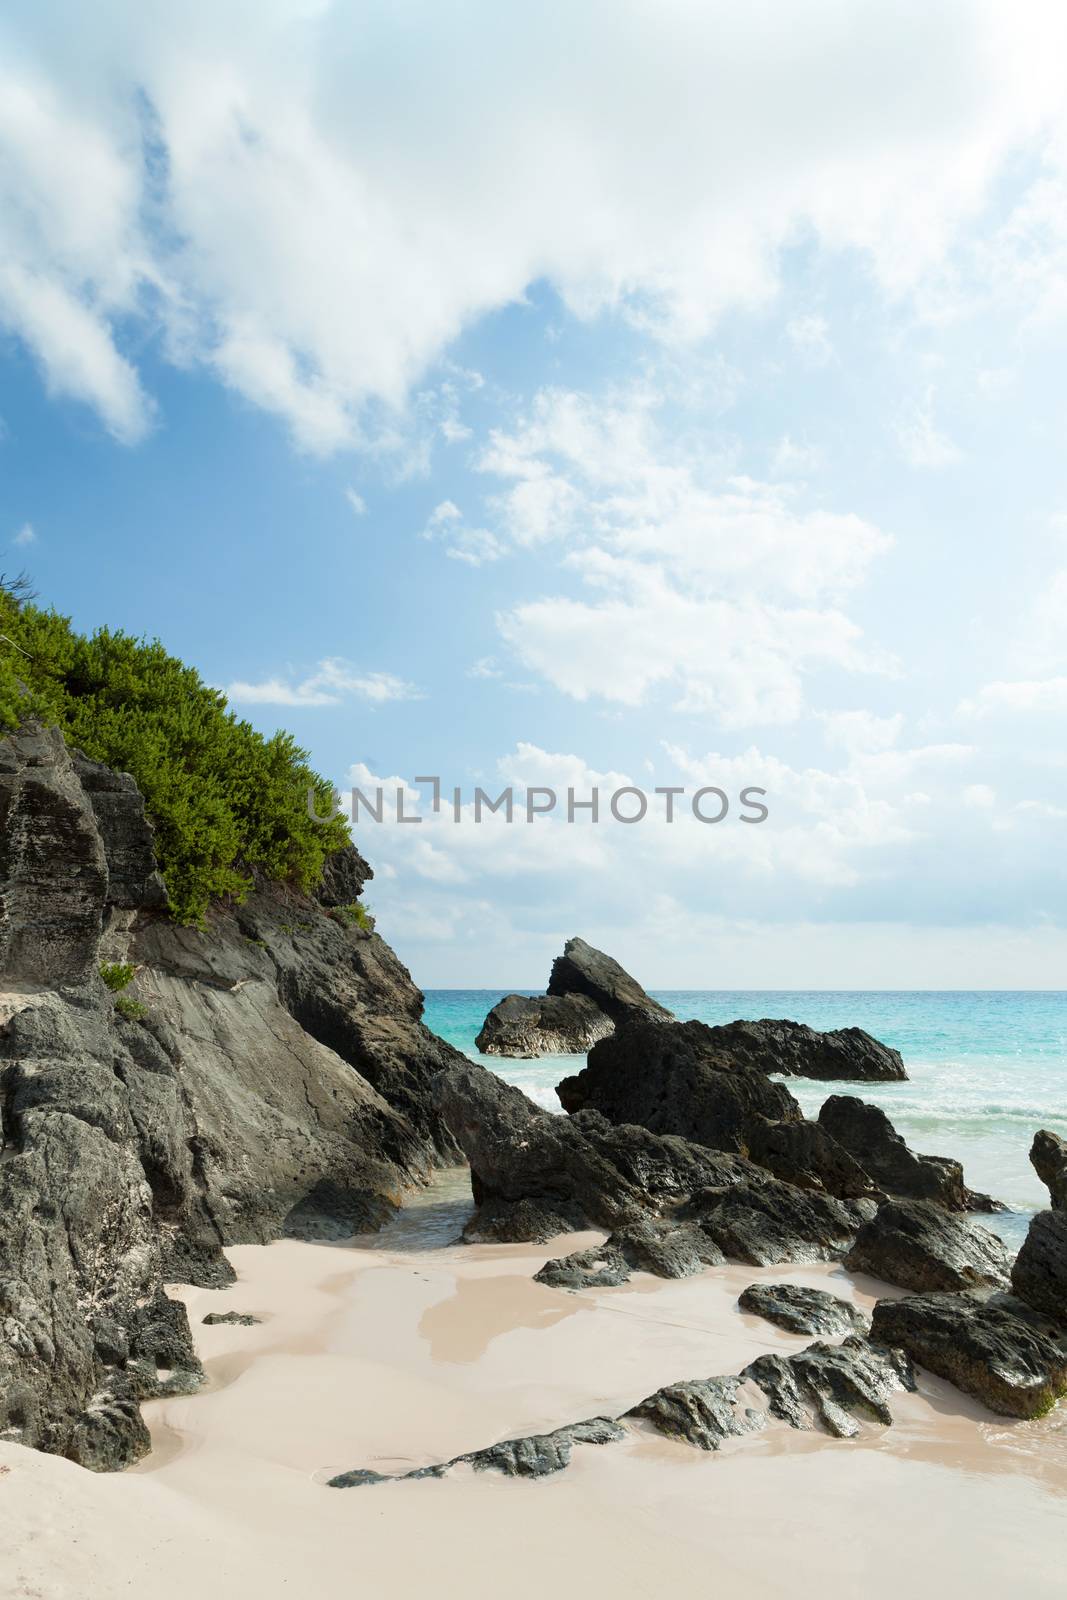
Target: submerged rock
{"type": "Point", "coordinates": [867, 1134]}
{"type": "Point", "coordinates": [543, 1025]}
{"type": "Point", "coordinates": [669, 1078]}
{"type": "Point", "coordinates": [801, 1310]}
{"type": "Point", "coordinates": [918, 1246]}
{"type": "Point", "coordinates": [996, 1350]}
{"type": "Point", "coordinates": [1039, 1273]}
{"type": "Point", "coordinates": [533, 1457]}
{"type": "Point", "coordinates": [1048, 1153]}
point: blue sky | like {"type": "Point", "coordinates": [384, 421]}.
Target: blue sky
{"type": "Point", "coordinates": [663, 394]}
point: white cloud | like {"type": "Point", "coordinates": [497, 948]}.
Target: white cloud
{"type": "Point", "coordinates": [26, 535]}
{"type": "Point", "coordinates": [333, 682]}
{"type": "Point", "coordinates": [356, 503]}
{"type": "Point", "coordinates": [861, 732]}
{"type": "Point", "coordinates": [810, 336]}
{"type": "Point", "coordinates": [299, 199]}
{"type": "Point", "coordinates": [1034, 695]}
{"type": "Point", "coordinates": [922, 444]}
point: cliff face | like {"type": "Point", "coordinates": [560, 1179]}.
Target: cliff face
{"type": "Point", "coordinates": [277, 1083]}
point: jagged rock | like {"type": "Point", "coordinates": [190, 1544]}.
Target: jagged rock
{"type": "Point", "coordinates": [868, 1135]}
{"type": "Point", "coordinates": [534, 1457]}
{"type": "Point", "coordinates": [795, 1050]}
{"type": "Point", "coordinates": [765, 1222]}
{"type": "Point", "coordinates": [826, 1386]}
{"type": "Point", "coordinates": [804, 1154]}
{"type": "Point", "coordinates": [669, 1078]}
{"type": "Point", "coordinates": [543, 1025]}
{"type": "Point", "coordinates": [1048, 1153]}
{"type": "Point", "coordinates": [801, 1310]}
{"type": "Point", "coordinates": [917, 1245]}
{"type": "Point", "coordinates": [666, 1249]}
{"type": "Point", "coordinates": [1039, 1273]}
{"type": "Point", "coordinates": [582, 970]}
{"type": "Point", "coordinates": [231, 1319]}
{"type": "Point", "coordinates": [997, 1350]}
{"type": "Point", "coordinates": [343, 878]}
{"type": "Point", "coordinates": [701, 1411]}
{"type": "Point", "coordinates": [134, 1150]}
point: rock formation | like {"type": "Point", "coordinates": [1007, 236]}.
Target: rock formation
{"type": "Point", "coordinates": [795, 1050]}
{"type": "Point", "coordinates": [270, 1075]}
{"type": "Point", "coordinates": [801, 1310]}
{"type": "Point", "coordinates": [870, 1138]}
{"type": "Point", "coordinates": [1039, 1273]}
{"type": "Point", "coordinates": [1048, 1153]}
{"type": "Point", "coordinates": [589, 995]}
{"type": "Point", "coordinates": [919, 1246]}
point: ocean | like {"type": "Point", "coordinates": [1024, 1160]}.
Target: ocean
{"type": "Point", "coordinates": [986, 1068]}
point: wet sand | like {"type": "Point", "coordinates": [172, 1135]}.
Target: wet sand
{"type": "Point", "coordinates": [406, 1348]}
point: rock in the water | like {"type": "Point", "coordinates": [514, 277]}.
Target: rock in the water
{"type": "Point", "coordinates": [583, 970]}
{"type": "Point", "coordinates": [534, 1457]}
{"type": "Point", "coordinates": [543, 1025]}
{"type": "Point", "coordinates": [670, 1078]}
{"type": "Point", "coordinates": [792, 1048]}
{"type": "Point", "coordinates": [829, 1386]}
{"type": "Point", "coordinates": [231, 1319]}
{"type": "Point", "coordinates": [1048, 1154]}
{"type": "Point", "coordinates": [1039, 1273]}
{"type": "Point", "coordinates": [919, 1246]}
{"type": "Point", "coordinates": [666, 1249]}
{"type": "Point", "coordinates": [767, 1222]}
{"type": "Point", "coordinates": [868, 1135]}
{"type": "Point", "coordinates": [801, 1310]}
{"type": "Point", "coordinates": [804, 1154]}
{"type": "Point", "coordinates": [996, 1350]}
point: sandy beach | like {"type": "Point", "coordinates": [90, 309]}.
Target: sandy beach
{"type": "Point", "coordinates": [407, 1348]}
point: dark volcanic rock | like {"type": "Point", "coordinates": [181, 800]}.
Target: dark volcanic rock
{"type": "Point", "coordinates": [801, 1310]}
{"type": "Point", "coordinates": [916, 1245]}
{"type": "Point", "coordinates": [792, 1048]}
{"type": "Point", "coordinates": [231, 1319]}
{"type": "Point", "coordinates": [765, 1222]}
{"type": "Point", "coordinates": [543, 1025]}
{"type": "Point", "coordinates": [1039, 1274]}
{"type": "Point", "coordinates": [669, 1077]}
{"type": "Point", "coordinates": [868, 1135]}
{"type": "Point", "coordinates": [133, 1151]}
{"type": "Point", "coordinates": [804, 1154]}
{"type": "Point", "coordinates": [533, 1457]}
{"type": "Point", "coordinates": [582, 970]}
{"type": "Point", "coordinates": [995, 1350]}
{"type": "Point", "coordinates": [669, 1250]}
{"type": "Point", "coordinates": [1049, 1156]}
{"type": "Point", "coordinates": [700, 1411]}
{"type": "Point", "coordinates": [830, 1386]}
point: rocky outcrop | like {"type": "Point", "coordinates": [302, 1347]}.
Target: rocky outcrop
{"type": "Point", "coordinates": [1039, 1273]}
{"type": "Point", "coordinates": [589, 995]}
{"type": "Point", "coordinates": [665, 1249]}
{"type": "Point", "coordinates": [867, 1134]}
{"type": "Point", "coordinates": [536, 1456]}
{"type": "Point", "coordinates": [997, 1350]}
{"type": "Point", "coordinates": [670, 1078]}
{"type": "Point", "coordinates": [801, 1310]}
{"type": "Point", "coordinates": [917, 1245]}
{"type": "Point", "coordinates": [831, 1387]}
{"type": "Point", "coordinates": [232, 1104]}
{"type": "Point", "coordinates": [1048, 1153]}
{"type": "Point", "coordinates": [804, 1154]}
{"type": "Point", "coordinates": [231, 1319]}
{"type": "Point", "coordinates": [795, 1050]}
{"type": "Point", "coordinates": [765, 1222]}
{"type": "Point", "coordinates": [545, 1025]}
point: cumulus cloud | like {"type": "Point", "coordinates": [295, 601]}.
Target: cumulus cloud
{"type": "Point", "coordinates": [27, 534]}
{"type": "Point", "coordinates": [333, 682]}
{"type": "Point", "coordinates": [305, 201]}
{"type": "Point", "coordinates": [1038, 695]}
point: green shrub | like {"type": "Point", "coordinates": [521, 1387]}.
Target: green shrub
{"type": "Point", "coordinates": [223, 798]}
{"type": "Point", "coordinates": [356, 915]}
{"type": "Point", "coordinates": [117, 974]}
{"type": "Point", "coordinates": [130, 1010]}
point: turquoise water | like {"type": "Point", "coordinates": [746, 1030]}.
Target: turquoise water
{"type": "Point", "coordinates": [986, 1068]}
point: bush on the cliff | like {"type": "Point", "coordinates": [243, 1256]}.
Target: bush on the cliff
{"type": "Point", "coordinates": [222, 797]}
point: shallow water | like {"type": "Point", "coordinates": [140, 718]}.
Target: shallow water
{"type": "Point", "coordinates": [986, 1068]}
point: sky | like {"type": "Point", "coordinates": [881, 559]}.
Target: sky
{"type": "Point", "coordinates": [579, 395]}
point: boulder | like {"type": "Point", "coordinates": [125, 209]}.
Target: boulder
{"type": "Point", "coordinates": [867, 1134]}
{"type": "Point", "coordinates": [670, 1078]}
{"type": "Point", "coordinates": [666, 1249]}
{"type": "Point", "coordinates": [831, 1387]}
{"type": "Point", "coordinates": [804, 1154]}
{"type": "Point", "coordinates": [583, 970]}
{"type": "Point", "coordinates": [543, 1025]}
{"type": "Point", "coordinates": [801, 1310]}
{"type": "Point", "coordinates": [765, 1222]}
{"type": "Point", "coordinates": [533, 1457]}
{"type": "Point", "coordinates": [795, 1050]}
{"type": "Point", "coordinates": [996, 1350]}
{"type": "Point", "coordinates": [702, 1411]}
{"type": "Point", "coordinates": [1048, 1153]}
{"type": "Point", "coordinates": [1039, 1273]}
{"type": "Point", "coordinates": [919, 1246]}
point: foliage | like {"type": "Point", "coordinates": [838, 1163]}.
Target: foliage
{"type": "Point", "coordinates": [223, 798]}
{"type": "Point", "coordinates": [130, 1010]}
{"type": "Point", "coordinates": [355, 915]}
{"type": "Point", "coordinates": [117, 974]}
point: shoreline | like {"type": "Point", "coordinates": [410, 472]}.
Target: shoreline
{"type": "Point", "coordinates": [401, 1349]}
